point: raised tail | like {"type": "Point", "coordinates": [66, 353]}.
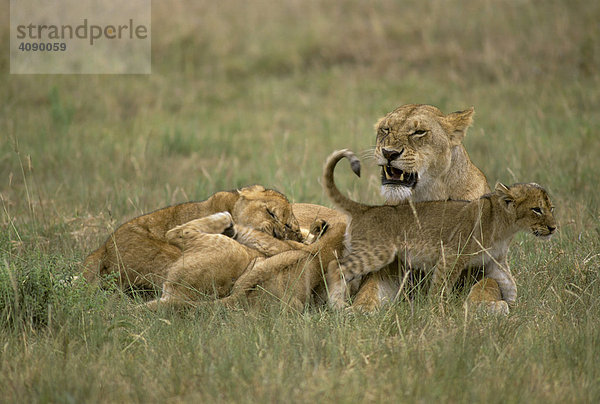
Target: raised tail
{"type": "Point", "coordinates": [340, 201]}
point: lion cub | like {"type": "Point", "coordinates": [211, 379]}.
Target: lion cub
{"type": "Point", "coordinates": [139, 253]}
{"type": "Point", "coordinates": [444, 236]}
{"type": "Point", "coordinates": [215, 253]}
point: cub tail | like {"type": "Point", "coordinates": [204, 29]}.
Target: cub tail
{"type": "Point", "coordinates": [340, 201]}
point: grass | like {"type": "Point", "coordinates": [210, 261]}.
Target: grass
{"type": "Point", "coordinates": [262, 93]}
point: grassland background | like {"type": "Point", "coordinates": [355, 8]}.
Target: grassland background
{"type": "Point", "coordinates": [260, 92]}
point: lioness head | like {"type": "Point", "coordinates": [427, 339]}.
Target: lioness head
{"type": "Point", "coordinates": [415, 145]}
{"type": "Point", "coordinates": [530, 206]}
{"type": "Point", "coordinates": [268, 211]}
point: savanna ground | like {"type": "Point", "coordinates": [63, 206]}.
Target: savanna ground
{"type": "Point", "coordinates": [261, 92]}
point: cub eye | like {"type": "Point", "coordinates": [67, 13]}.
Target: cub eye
{"type": "Point", "coordinates": [271, 214]}
{"type": "Point", "coordinates": [419, 133]}
{"type": "Point", "coordinates": [537, 211]}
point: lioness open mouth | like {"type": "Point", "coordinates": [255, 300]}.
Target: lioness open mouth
{"type": "Point", "coordinates": [394, 176]}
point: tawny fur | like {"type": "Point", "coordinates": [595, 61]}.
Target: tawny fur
{"type": "Point", "coordinates": [421, 139]}
{"type": "Point", "coordinates": [212, 262]}
{"type": "Point", "coordinates": [444, 236]}
{"type": "Point", "coordinates": [139, 253]}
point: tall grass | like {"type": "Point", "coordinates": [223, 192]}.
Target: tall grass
{"type": "Point", "coordinates": [261, 92]}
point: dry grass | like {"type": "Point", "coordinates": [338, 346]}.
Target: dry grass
{"type": "Point", "coordinates": [260, 93]}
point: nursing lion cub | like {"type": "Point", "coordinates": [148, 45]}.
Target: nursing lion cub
{"type": "Point", "coordinates": [443, 237]}
{"type": "Point", "coordinates": [139, 253]}
{"type": "Point", "coordinates": [216, 252]}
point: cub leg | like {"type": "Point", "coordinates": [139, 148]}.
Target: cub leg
{"type": "Point", "coordinates": [169, 298]}
{"type": "Point", "coordinates": [263, 270]}
{"type": "Point", "coordinates": [361, 261]}
{"type": "Point", "coordinates": [445, 276]}
{"type": "Point", "coordinates": [216, 223]}
{"type": "Point", "coordinates": [263, 242]}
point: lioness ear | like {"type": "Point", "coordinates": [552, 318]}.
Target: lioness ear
{"type": "Point", "coordinates": [458, 123]}
{"type": "Point", "coordinates": [379, 122]}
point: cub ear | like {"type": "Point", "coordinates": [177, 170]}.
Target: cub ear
{"type": "Point", "coordinates": [458, 123]}
{"type": "Point", "coordinates": [504, 192]}
{"type": "Point", "coordinates": [501, 188]}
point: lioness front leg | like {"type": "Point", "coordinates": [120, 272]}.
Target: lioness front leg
{"type": "Point", "coordinates": [500, 272]}
{"type": "Point", "coordinates": [369, 296]}
{"type": "Point", "coordinates": [486, 295]}
{"type": "Point", "coordinates": [496, 291]}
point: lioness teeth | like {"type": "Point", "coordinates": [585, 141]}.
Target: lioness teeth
{"type": "Point", "coordinates": [395, 175]}
{"type": "Point", "coordinates": [388, 175]}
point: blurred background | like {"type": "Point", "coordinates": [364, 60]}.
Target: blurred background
{"type": "Point", "coordinates": [261, 92]}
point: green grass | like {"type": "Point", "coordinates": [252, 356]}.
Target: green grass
{"type": "Point", "coordinates": [262, 93]}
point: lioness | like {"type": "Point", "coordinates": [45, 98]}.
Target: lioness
{"type": "Point", "coordinates": [140, 254]}
{"type": "Point", "coordinates": [421, 153]}
{"type": "Point", "coordinates": [211, 262]}
{"type": "Point", "coordinates": [421, 156]}
{"type": "Point", "coordinates": [443, 236]}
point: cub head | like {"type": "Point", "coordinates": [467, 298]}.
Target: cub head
{"type": "Point", "coordinates": [414, 146]}
{"type": "Point", "coordinates": [530, 207]}
{"type": "Point", "coordinates": [268, 211]}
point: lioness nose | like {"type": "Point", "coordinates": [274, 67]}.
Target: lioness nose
{"type": "Point", "coordinates": [391, 155]}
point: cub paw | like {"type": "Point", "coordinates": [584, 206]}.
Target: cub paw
{"type": "Point", "coordinates": [338, 304]}
{"type": "Point", "coordinates": [221, 223]}
{"type": "Point", "coordinates": [337, 299]}
{"type": "Point", "coordinates": [217, 223]}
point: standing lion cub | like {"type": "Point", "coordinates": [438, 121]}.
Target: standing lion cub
{"type": "Point", "coordinates": [443, 237]}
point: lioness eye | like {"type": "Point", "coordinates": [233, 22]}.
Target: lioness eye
{"type": "Point", "coordinates": [419, 133]}
{"type": "Point", "coordinates": [271, 214]}
{"type": "Point", "coordinates": [537, 211]}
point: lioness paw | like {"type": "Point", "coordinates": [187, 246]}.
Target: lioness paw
{"type": "Point", "coordinates": [492, 307]}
